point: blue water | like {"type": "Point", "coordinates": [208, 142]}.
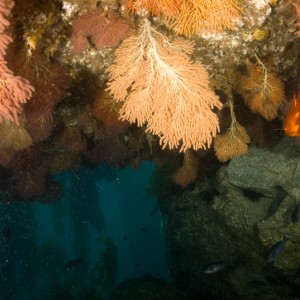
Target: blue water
{"type": "Point", "coordinates": [100, 209]}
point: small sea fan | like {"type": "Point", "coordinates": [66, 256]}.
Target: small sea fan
{"type": "Point", "coordinates": [232, 143]}
{"type": "Point", "coordinates": [188, 172]}
{"type": "Point", "coordinates": [262, 90]}
{"type": "Point", "coordinates": [14, 136]}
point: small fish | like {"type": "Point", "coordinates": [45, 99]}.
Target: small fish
{"type": "Point", "coordinates": [5, 234]}
{"type": "Point", "coordinates": [292, 120]}
{"type": "Point", "coordinates": [73, 263]}
{"type": "Point", "coordinates": [145, 230]}
{"type": "Point", "coordinates": [214, 267]}
{"type": "Point", "coordinates": [295, 216]}
{"type": "Point", "coordinates": [276, 249]}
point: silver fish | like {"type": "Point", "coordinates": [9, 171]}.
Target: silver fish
{"type": "Point", "coordinates": [214, 267]}
{"type": "Point", "coordinates": [276, 249]}
{"type": "Point", "coordinates": [295, 216]}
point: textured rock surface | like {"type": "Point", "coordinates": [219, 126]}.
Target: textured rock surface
{"type": "Point", "coordinates": [257, 194]}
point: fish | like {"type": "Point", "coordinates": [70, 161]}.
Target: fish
{"type": "Point", "coordinates": [295, 216]}
{"type": "Point", "coordinates": [214, 267]}
{"type": "Point", "coordinates": [292, 120]}
{"type": "Point", "coordinates": [145, 230]}
{"type": "Point", "coordinates": [276, 249]}
{"type": "Point", "coordinates": [5, 234]}
{"type": "Point", "coordinates": [73, 263]}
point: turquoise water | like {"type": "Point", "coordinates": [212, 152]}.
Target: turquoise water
{"type": "Point", "coordinates": [103, 230]}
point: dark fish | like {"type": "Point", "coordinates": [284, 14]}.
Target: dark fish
{"type": "Point", "coordinates": [276, 249]}
{"type": "Point", "coordinates": [145, 230]}
{"type": "Point", "coordinates": [214, 267]}
{"type": "Point", "coordinates": [295, 216]}
{"type": "Point", "coordinates": [72, 264]}
{"type": "Point", "coordinates": [125, 237]}
{"type": "Point", "coordinates": [5, 234]}
{"type": "Point", "coordinates": [137, 265]}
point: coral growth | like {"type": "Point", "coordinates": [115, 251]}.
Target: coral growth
{"type": "Point", "coordinates": [14, 90]}
{"type": "Point", "coordinates": [165, 8]}
{"type": "Point", "coordinates": [188, 172]}
{"type": "Point", "coordinates": [159, 85]}
{"type": "Point", "coordinates": [205, 16]}
{"type": "Point", "coordinates": [29, 173]}
{"type": "Point", "coordinates": [13, 136]}
{"type": "Point", "coordinates": [63, 161]}
{"type": "Point", "coordinates": [39, 126]}
{"type": "Point", "coordinates": [106, 109]}
{"type": "Point", "coordinates": [262, 90]}
{"type": "Point", "coordinates": [103, 152]}
{"type": "Point", "coordinates": [296, 5]}
{"type": "Point", "coordinates": [6, 157]}
{"type": "Point", "coordinates": [233, 142]}
{"type": "Point", "coordinates": [72, 140]}
{"type": "Point", "coordinates": [50, 80]}
{"type": "Point", "coordinates": [103, 31]}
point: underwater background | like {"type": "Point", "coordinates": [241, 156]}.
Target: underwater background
{"type": "Point", "coordinates": [97, 235]}
{"type": "Point", "coordinates": [149, 149]}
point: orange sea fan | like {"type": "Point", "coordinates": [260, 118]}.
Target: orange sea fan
{"type": "Point", "coordinates": [188, 172]}
{"type": "Point", "coordinates": [14, 90]}
{"type": "Point", "coordinates": [14, 136]}
{"type": "Point", "coordinates": [234, 141]}
{"type": "Point", "coordinates": [262, 90]}
{"type": "Point", "coordinates": [161, 87]}
{"type": "Point", "coordinates": [205, 16]}
{"type": "Point", "coordinates": [165, 8]}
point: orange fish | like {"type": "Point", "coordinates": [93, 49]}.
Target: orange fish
{"type": "Point", "coordinates": [292, 120]}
